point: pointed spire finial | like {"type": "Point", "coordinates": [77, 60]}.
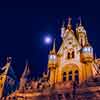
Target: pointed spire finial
{"type": "Point", "coordinates": [53, 51]}
{"type": "Point", "coordinates": [54, 46]}
{"type": "Point", "coordinates": [80, 21]}
{"type": "Point", "coordinates": [9, 59]}
{"type": "Point", "coordinates": [69, 23]}
{"type": "Point", "coordinates": [63, 23]}
{"type": "Point", "coordinates": [26, 70]}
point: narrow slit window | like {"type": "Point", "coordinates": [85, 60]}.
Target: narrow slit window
{"type": "Point", "coordinates": [64, 76]}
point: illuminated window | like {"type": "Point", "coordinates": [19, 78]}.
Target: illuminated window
{"type": "Point", "coordinates": [70, 75]}
{"type": "Point", "coordinates": [64, 76]}
{"type": "Point", "coordinates": [52, 57]}
{"type": "Point", "coordinates": [91, 49]}
{"type": "Point", "coordinates": [85, 49]}
{"type": "Point", "coordinates": [77, 76]}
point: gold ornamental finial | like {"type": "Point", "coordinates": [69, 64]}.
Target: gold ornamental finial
{"type": "Point", "coordinates": [69, 23]}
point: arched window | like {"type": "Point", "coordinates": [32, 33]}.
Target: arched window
{"type": "Point", "coordinates": [70, 75]}
{"type": "Point", "coordinates": [64, 76]}
{"type": "Point", "coordinates": [73, 54]}
{"type": "Point", "coordinates": [81, 42]}
{"type": "Point", "coordinates": [77, 76]}
{"type": "Point", "coordinates": [76, 72]}
{"type": "Point", "coordinates": [68, 55]}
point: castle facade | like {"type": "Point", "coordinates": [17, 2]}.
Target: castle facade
{"type": "Point", "coordinates": [73, 70]}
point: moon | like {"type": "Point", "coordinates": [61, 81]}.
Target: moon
{"type": "Point", "coordinates": [47, 40]}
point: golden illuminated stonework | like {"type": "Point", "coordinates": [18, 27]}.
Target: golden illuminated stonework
{"type": "Point", "coordinates": [73, 71]}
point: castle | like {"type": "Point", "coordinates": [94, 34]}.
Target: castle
{"type": "Point", "coordinates": [72, 70]}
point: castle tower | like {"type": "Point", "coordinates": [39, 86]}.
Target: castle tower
{"type": "Point", "coordinates": [86, 58]}
{"type": "Point", "coordinates": [68, 56]}
{"type": "Point", "coordinates": [52, 63]}
{"type": "Point", "coordinates": [81, 33]}
{"type": "Point", "coordinates": [65, 30]}
{"type": "Point", "coordinates": [86, 52]}
{"type": "Point", "coordinates": [24, 77]}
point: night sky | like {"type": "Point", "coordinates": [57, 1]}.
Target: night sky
{"type": "Point", "coordinates": [24, 25]}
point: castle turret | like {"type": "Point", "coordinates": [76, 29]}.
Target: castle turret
{"type": "Point", "coordinates": [86, 50]}
{"type": "Point", "coordinates": [87, 53]}
{"type": "Point", "coordinates": [64, 30]}
{"type": "Point", "coordinates": [52, 62]}
{"type": "Point", "coordinates": [81, 33]}
{"type": "Point", "coordinates": [69, 26]}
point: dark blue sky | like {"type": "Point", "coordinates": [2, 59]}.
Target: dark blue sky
{"type": "Point", "coordinates": [23, 26]}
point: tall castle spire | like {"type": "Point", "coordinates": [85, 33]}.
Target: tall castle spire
{"type": "Point", "coordinates": [69, 26]}
{"type": "Point", "coordinates": [80, 21]}
{"type": "Point", "coordinates": [26, 70]}
{"type": "Point", "coordinates": [54, 46]}
{"type": "Point", "coordinates": [24, 77]}
{"type": "Point", "coordinates": [63, 29]}
{"type": "Point", "coordinates": [81, 34]}
{"type": "Point", "coordinates": [53, 51]}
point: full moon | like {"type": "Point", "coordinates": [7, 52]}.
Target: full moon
{"type": "Point", "coordinates": [47, 39]}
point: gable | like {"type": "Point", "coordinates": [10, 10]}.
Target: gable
{"type": "Point", "coordinates": [69, 41]}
